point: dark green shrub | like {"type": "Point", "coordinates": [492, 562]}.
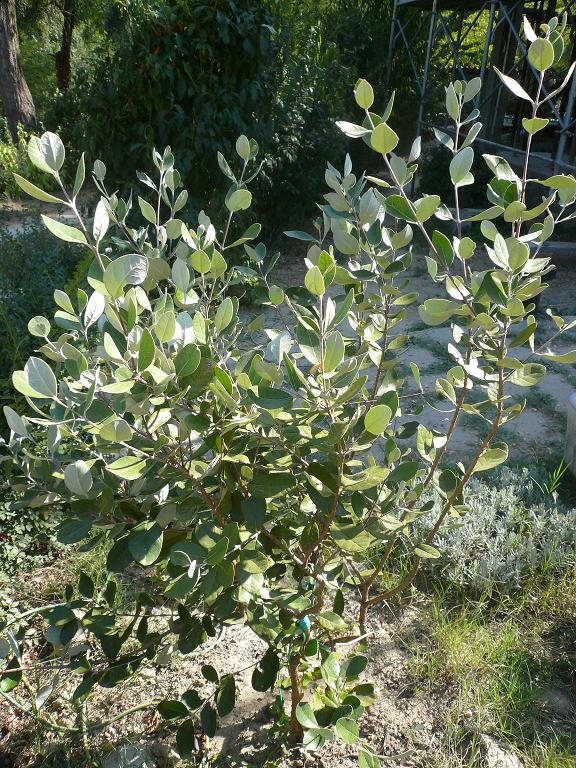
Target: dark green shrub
{"type": "Point", "coordinates": [32, 266]}
{"type": "Point", "coordinates": [188, 74]}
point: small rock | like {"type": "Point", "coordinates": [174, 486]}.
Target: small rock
{"type": "Point", "coordinates": [129, 756]}
{"type": "Point", "coordinates": [499, 755]}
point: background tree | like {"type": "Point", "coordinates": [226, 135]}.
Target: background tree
{"type": "Point", "coordinates": [16, 97]}
{"type": "Point", "coordinates": [63, 56]}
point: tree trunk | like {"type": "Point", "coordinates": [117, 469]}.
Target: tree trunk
{"type": "Point", "coordinates": [63, 55]}
{"type": "Point", "coordinates": [14, 91]}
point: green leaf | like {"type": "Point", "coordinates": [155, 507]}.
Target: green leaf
{"type": "Point", "coordinates": [364, 94]}
{"type": "Point", "coordinates": [404, 472]}
{"type": "Point", "coordinates": [315, 738]}
{"type": "Point", "coordinates": [47, 152]}
{"type": "Point", "coordinates": [426, 207]}
{"type": "Point", "coordinates": [347, 730]}
{"type": "Point", "coordinates": [513, 86]}
{"type": "Point", "coordinates": [127, 467]}
{"type": "Point", "coordinates": [275, 295]}
{"type": "Point", "coordinates": [460, 167]}
{"type": "Point", "coordinates": [15, 422]}
{"type": "Point", "coordinates": [264, 676]}
{"type": "Point", "coordinates": [298, 235]}
{"type": "Point", "coordinates": [40, 379]}
{"type": "Point", "coordinates": [437, 311]}
{"type": "Point", "coordinates": [239, 200]}
{"type": "Point", "coordinates": [560, 181]}
{"type": "Point", "coordinates": [384, 139]}
{"type": "Point", "coordinates": [333, 352]}
{"type": "Point", "coordinates": [452, 105]}
{"type": "Point", "coordinates": [63, 231]}
{"type": "Point", "coordinates": [351, 538]}
{"type": "Point", "coordinates": [306, 716]}
{"type": "Point", "coordinates": [145, 543]}
{"type": "Point", "coordinates": [208, 720]}
{"type": "Point", "coordinates": [147, 210]}
{"type": "Point", "coordinates": [101, 222]}
{"type": "Point", "coordinates": [528, 375]}
{"type": "Point", "coordinates": [165, 326]}
{"type": "Point", "coordinates": [130, 269]}
{"type": "Point", "coordinates": [330, 670]}
{"type": "Point", "coordinates": [377, 419]}
{"type": "Point", "coordinates": [78, 478]}
{"type": "Point", "coordinates": [39, 326]}
{"type": "Point", "coordinates": [243, 147]}
{"type": "Point", "coordinates": [472, 89]}
{"type": "Point", "coordinates": [367, 759]}
{"type": "Point", "coordinates": [314, 281]}
{"type": "Point", "coordinates": [11, 676]}
{"type": "Point", "coordinates": [568, 358]}
{"type": "Point", "coordinates": [331, 622]}
{"type": "Point", "coordinates": [34, 191]}
{"type": "Point", "coordinates": [146, 350]}
{"type": "Point", "coordinates": [200, 261]}
{"type": "Point", "coordinates": [187, 360]}
{"type": "Point", "coordinates": [272, 398]}
{"type": "Point", "coordinates": [80, 175]}
{"type": "Point", "coordinates": [541, 54]}
{"type": "Point", "coordinates": [186, 739]}
{"type": "Point", "coordinates": [345, 242]}
{"type": "Point", "coordinates": [355, 666]}
{"type": "Point", "coordinates": [224, 315]}
{"type": "Point", "coordinates": [492, 457]}
{"type": "Point", "coordinates": [535, 124]}
{"type": "Point", "coordinates": [116, 431]}
{"type": "Point", "coordinates": [351, 129]}
{"type": "Point", "coordinates": [426, 551]}
{"type": "Point", "coordinates": [226, 696]}
{"type": "Point", "coordinates": [398, 207]}
{"type": "Point", "coordinates": [94, 309]}
{"type": "Point", "coordinates": [254, 512]}
{"type": "Point", "coordinates": [443, 247]}
{"type": "Point", "coordinates": [171, 709]}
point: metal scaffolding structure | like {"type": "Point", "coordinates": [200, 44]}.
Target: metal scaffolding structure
{"type": "Point", "coordinates": [449, 26]}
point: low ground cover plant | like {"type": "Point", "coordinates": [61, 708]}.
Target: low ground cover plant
{"type": "Point", "coordinates": [512, 533]}
{"type": "Point", "coordinates": [267, 476]}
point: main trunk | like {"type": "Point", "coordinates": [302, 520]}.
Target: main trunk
{"type": "Point", "coordinates": [14, 91]}
{"type": "Point", "coordinates": [63, 55]}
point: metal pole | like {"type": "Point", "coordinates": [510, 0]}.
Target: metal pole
{"type": "Point", "coordinates": [391, 42]}
{"type": "Point", "coordinates": [431, 34]}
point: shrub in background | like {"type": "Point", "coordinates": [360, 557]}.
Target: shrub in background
{"type": "Point", "coordinates": [14, 159]}
{"type": "Point", "coordinates": [32, 266]}
{"type": "Point", "coordinates": [322, 49]}
{"type": "Point", "coordinates": [188, 74]}
{"type": "Point", "coordinates": [269, 479]}
{"type": "Point", "coordinates": [192, 75]}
